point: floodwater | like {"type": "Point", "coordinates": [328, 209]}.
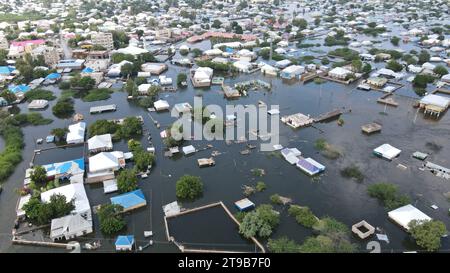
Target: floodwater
{"type": "Point", "coordinates": [330, 194]}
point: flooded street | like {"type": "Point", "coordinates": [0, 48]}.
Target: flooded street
{"type": "Point", "coordinates": [330, 194]}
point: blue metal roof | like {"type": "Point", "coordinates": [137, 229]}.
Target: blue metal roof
{"type": "Point", "coordinates": [124, 240]}
{"type": "Point", "coordinates": [6, 70]}
{"type": "Point", "coordinates": [53, 76]}
{"type": "Point", "coordinates": [18, 88]}
{"type": "Point", "coordinates": [129, 199]}
{"type": "Point", "coordinates": [87, 70]}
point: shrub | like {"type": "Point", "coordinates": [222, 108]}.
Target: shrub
{"type": "Point", "coordinates": [110, 218]}
{"type": "Point", "coordinates": [303, 215]}
{"type": "Point", "coordinates": [189, 187]}
{"type": "Point", "coordinates": [388, 194]}
{"type": "Point", "coordinates": [352, 171]}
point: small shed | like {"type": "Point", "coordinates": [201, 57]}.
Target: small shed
{"type": "Point", "coordinates": [244, 204]}
{"type": "Point", "coordinates": [124, 243]}
{"type": "Point", "coordinates": [387, 151]}
{"type": "Point", "coordinates": [189, 150]}
{"type": "Point", "coordinates": [404, 215]}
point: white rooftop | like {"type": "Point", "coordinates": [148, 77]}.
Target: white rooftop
{"type": "Point", "coordinates": [404, 215]}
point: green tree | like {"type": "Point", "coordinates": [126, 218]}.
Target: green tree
{"type": "Point", "coordinates": [424, 56]}
{"type": "Point", "coordinates": [216, 24]}
{"type": "Point", "coordinates": [143, 159]}
{"type": "Point", "coordinates": [59, 133]}
{"type": "Point", "coordinates": [127, 70]}
{"type": "Point", "coordinates": [303, 215]}
{"type": "Point", "coordinates": [300, 23]}
{"type": "Point", "coordinates": [63, 108]}
{"type": "Point", "coordinates": [440, 70]}
{"type": "Point", "coordinates": [8, 96]}
{"type": "Point", "coordinates": [388, 194]}
{"type": "Point", "coordinates": [127, 181]}
{"type": "Point", "coordinates": [395, 40]}
{"type": "Point", "coordinates": [394, 66]}
{"type": "Point", "coordinates": [283, 245]}
{"type": "Point", "coordinates": [110, 218]}
{"type": "Point", "coordinates": [422, 80]}
{"type": "Point", "coordinates": [101, 127]}
{"type": "Point", "coordinates": [39, 175]}
{"type": "Point", "coordinates": [428, 233]}
{"type": "Point", "coordinates": [181, 78]}
{"type": "Point", "coordinates": [259, 222]}
{"type": "Point", "coordinates": [357, 65]}
{"type": "Point", "coordinates": [189, 187]}
{"type": "Point", "coordinates": [131, 127]}
{"type": "Point", "coordinates": [367, 68]}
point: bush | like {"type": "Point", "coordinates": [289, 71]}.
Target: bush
{"type": "Point", "coordinates": [276, 199]}
{"type": "Point", "coordinates": [421, 80]}
{"type": "Point", "coordinates": [352, 172]}
{"type": "Point", "coordinates": [282, 245]}
{"type": "Point", "coordinates": [101, 127]}
{"type": "Point", "coordinates": [303, 216]}
{"type": "Point", "coordinates": [189, 187]}
{"type": "Point", "coordinates": [260, 186]}
{"type": "Point", "coordinates": [39, 94]}
{"type": "Point", "coordinates": [440, 70]}
{"type": "Point", "coordinates": [394, 66]}
{"type": "Point", "coordinates": [97, 94]}
{"type": "Point", "coordinates": [388, 195]}
{"type": "Point", "coordinates": [181, 78]}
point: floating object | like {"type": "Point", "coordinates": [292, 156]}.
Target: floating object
{"type": "Point", "coordinates": [363, 229]}
{"type": "Point", "coordinates": [382, 237]}
{"type": "Point", "coordinates": [39, 141]}
{"type": "Point", "coordinates": [187, 150]}
{"type": "Point", "coordinates": [171, 208]}
{"type": "Point", "coordinates": [50, 139]}
{"type": "Point", "coordinates": [434, 207]}
{"type": "Point", "coordinates": [148, 233]}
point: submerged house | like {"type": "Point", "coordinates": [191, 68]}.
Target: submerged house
{"type": "Point", "coordinates": [387, 151]}
{"type": "Point", "coordinates": [310, 166]}
{"type": "Point", "coordinates": [130, 200]}
{"type": "Point", "coordinates": [434, 105]}
{"type": "Point", "coordinates": [202, 77]}
{"type": "Point", "coordinates": [291, 72]}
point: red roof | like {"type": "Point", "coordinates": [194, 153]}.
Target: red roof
{"type": "Point", "coordinates": [28, 42]}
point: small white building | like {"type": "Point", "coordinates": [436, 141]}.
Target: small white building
{"type": "Point", "coordinates": [404, 215]}
{"type": "Point", "coordinates": [76, 133]}
{"type": "Point", "coordinates": [387, 151]}
{"type": "Point", "coordinates": [161, 105]}
{"type": "Point", "coordinates": [70, 226]}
